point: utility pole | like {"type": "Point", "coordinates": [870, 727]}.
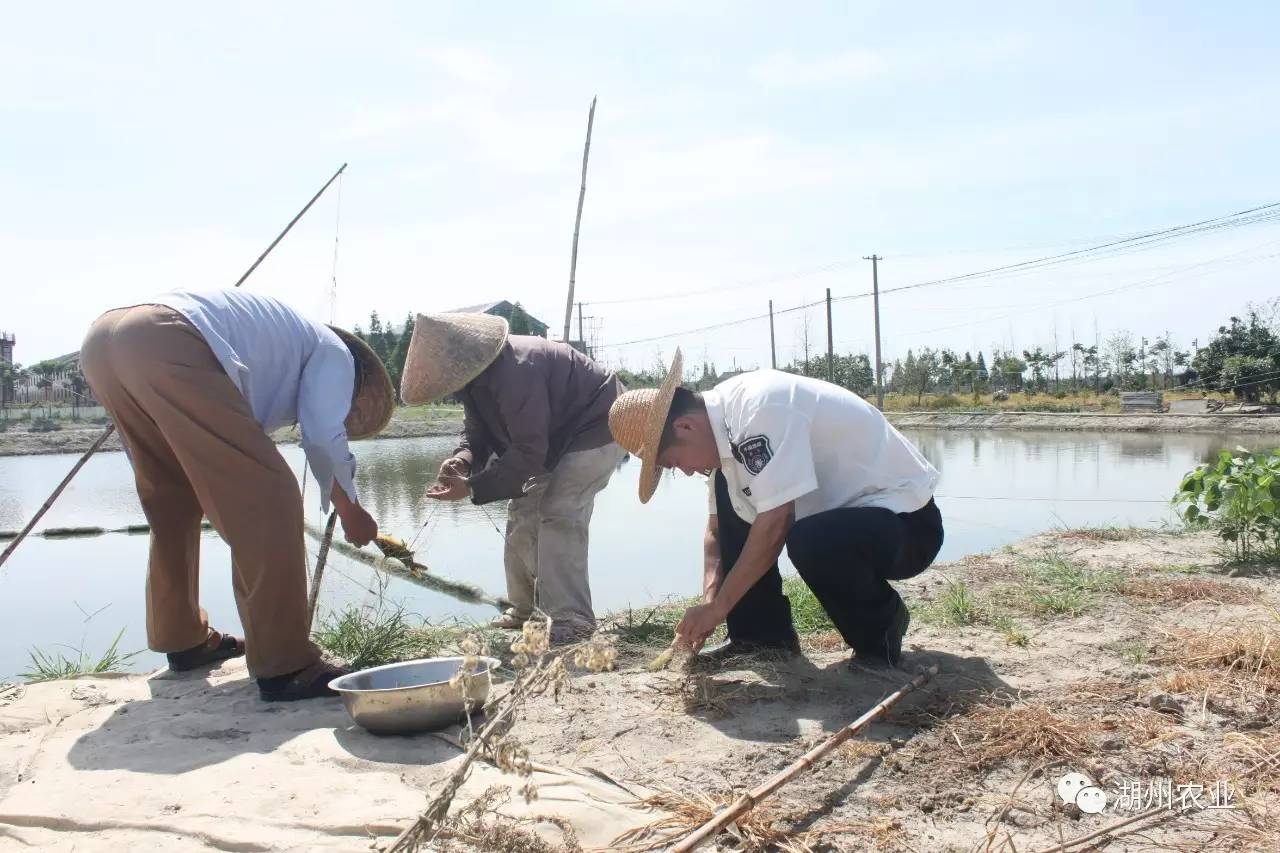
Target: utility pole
{"type": "Point", "coordinates": [830, 357]}
{"type": "Point", "coordinates": [875, 292]}
{"type": "Point", "coordinates": [581, 339]}
{"type": "Point", "coordinates": [773, 346]}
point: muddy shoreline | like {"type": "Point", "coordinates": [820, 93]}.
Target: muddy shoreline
{"type": "Point", "coordinates": [17, 441]}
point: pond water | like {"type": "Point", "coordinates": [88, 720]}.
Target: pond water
{"type": "Point", "coordinates": [996, 487]}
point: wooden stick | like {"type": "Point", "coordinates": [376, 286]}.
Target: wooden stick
{"type": "Point", "coordinates": [289, 227]}
{"type": "Point", "coordinates": [35, 519]}
{"type": "Point", "coordinates": [106, 433]}
{"type": "Point", "coordinates": [749, 800]}
{"type": "Point", "coordinates": [314, 597]}
{"type": "Point", "coordinates": [1110, 828]}
{"type": "Point", "coordinates": [577, 225]}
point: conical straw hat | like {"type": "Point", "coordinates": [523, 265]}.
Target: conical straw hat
{"type": "Point", "coordinates": [372, 407]}
{"type": "Point", "coordinates": [637, 419]}
{"type": "Point", "coordinates": [447, 351]}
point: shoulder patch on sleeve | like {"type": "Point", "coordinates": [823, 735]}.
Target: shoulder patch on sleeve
{"type": "Point", "coordinates": [753, 453]}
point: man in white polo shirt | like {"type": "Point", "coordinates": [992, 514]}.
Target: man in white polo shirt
{"type": "Point", "coordinates": [798, 462]}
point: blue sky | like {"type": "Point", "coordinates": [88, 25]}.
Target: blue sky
{"type": "Point", "coordinates": [738, 146]}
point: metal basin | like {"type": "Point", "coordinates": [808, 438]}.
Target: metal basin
{"type": "Point", "coordinates": [413, 696]}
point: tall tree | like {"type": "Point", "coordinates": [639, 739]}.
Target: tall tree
{"type": "Point", "coordinates": [1243, 358]}
{"type": "Point", "coordinates": [395, 364]}
{"type": "Point", "coordinates": [376, 338]}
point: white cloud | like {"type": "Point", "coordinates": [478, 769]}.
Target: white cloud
{"type": "Point", "coordinates": [470, 66]}
{"type": "Point", "coordinates": [785, 69]}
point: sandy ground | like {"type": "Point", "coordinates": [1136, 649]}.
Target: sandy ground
{"type": "Point", "coordinates": [1140, 659]}
{"type": "Point", "coordinates": [17, 441]}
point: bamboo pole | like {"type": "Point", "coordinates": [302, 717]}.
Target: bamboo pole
{"type": "Point", "coordinates": [750, 799]}
{"type": "Point", "coordinates": [316, 576]}
{"type": "Point", "coordinates": [35, 519]}
{"type": "Point", "coordinates": [106, 433]}
{"type": "Point", "coordinates": [577, 224]}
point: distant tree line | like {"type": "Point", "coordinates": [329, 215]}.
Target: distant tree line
{"type": "Point", "coordinates": [1241, 359]}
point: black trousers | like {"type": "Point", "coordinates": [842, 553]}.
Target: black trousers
{"type": "Point", "coordinates": [846, 556]}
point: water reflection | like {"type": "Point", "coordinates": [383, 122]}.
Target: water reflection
{"type": "Point", "coordinates": [996, 487]}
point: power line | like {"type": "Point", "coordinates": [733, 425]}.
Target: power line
{"type": "Point", "coordinates": [1266, 212]}
{"type": "Point", "coordinates": [1251, 216]}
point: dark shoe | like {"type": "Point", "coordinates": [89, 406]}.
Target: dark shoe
{"type": "Point", "coordinates": [734, 651]}
{"type": "Point", "coordinates": [311, 682]}
{"type": "Point", "coordinates": [895, 632]}
{"type": "Point", "coordinates": [216, 647]}
{"type": "Point", "coordinates": [889, 655]}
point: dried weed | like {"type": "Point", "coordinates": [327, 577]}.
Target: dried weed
{"type": "Point", "coordinates": [990, 735]}
{"type": "Point", "coordinates": [1183, 591]}
{"type": "Point", "coordinates": [767, 827]}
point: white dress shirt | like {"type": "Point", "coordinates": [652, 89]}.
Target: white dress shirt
{"type": "Point", "coordinates": [291, 370]}
{"type": "Point", "coordinates": [783, 438]}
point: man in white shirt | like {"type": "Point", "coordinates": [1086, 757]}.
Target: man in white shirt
{"type": "Point", "coordinates": [796, 462]}
{"type": "Point", "coordinates": [195, 383]}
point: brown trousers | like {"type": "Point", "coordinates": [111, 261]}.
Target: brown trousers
{"type": "Point", "coordinates": [197, 451]}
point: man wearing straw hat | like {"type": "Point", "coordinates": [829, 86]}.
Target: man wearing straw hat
{"type": "Point", "coordinates": [798, 462]}
{"type": "Point", "coordinates": [195, 382]}
{"type": "Point", "coordinates": [536, 432]}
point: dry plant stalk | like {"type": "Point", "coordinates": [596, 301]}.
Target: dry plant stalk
{"type": "Point", "coordinates": [660, 662]}
{"type": "Point", "coordinates": [751, 799]}
{"type": "Point", "coordinates": [538, 672]}
{"type": "Point", "coordinates": [756, 831]}
{"type": "Point", "coordinates": [479, 825]}
{"type": "Point", "coordinates": [988, 735]}
{"type": "Point", "coordinates": [1179, 591]}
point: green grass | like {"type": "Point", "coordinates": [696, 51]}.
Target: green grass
{"type": "Point", "coordinates": [429, 412]}
{"type": "Point", "coordinates": [959, 605]}
{"type": "Point", "coordinates": [1131, 651]}
{"type": "Point", "coordinates": [806, 612]}
{"type": "Point", "coordinates": [46, 666]}
{"type": "Point", "coordinates": [365, 636]}
{"type": "Point", "coordinates": [1104, 533]}
{"type": "Point", "coordinates": [1181, 568]}
{"type": "Point", "coordinates": [651, 627]}
{"type": "Point", "coordinates": [1059, 586]}
{"type": "Point", "coordinates": [1014, 634]}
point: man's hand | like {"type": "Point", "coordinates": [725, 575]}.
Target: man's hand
{"type": "Point", "coordinates": [697, 625]}
{"type": "Point", "coordinates": [454, 466]}
{"type": "Point", "coordinates": [449, 487]}
{"type": "Point", "coordinates": [358, 527]}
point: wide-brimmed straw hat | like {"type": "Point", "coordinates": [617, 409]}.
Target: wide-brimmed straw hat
{"type": "Point", "coordinates": [376, 400]}
{"type": "Point", "coordinates": [637, 419]}
{"type": "Point", "coordinates": [447, 351]}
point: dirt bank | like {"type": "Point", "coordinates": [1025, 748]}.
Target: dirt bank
{"type": "Point", "coordinates": [1137, 658]}
{"type": "Point", "coordinates": [1088, 422]}
{"type": "Point", "coordinates": [18, 441]}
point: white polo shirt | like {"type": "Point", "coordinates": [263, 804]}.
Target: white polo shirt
{"type": "Point", "coordinates": [786, 438]}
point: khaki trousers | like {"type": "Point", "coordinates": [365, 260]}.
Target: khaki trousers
{"type": "Point", "coordinates": [546, 551]}
{"type": "Point", "coordinates": [197, 451]}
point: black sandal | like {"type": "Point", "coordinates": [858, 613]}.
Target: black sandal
{"type": "Point", "coordinates": [311, 682]}
{"type": "Point", "coordinates": [216, 647]}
